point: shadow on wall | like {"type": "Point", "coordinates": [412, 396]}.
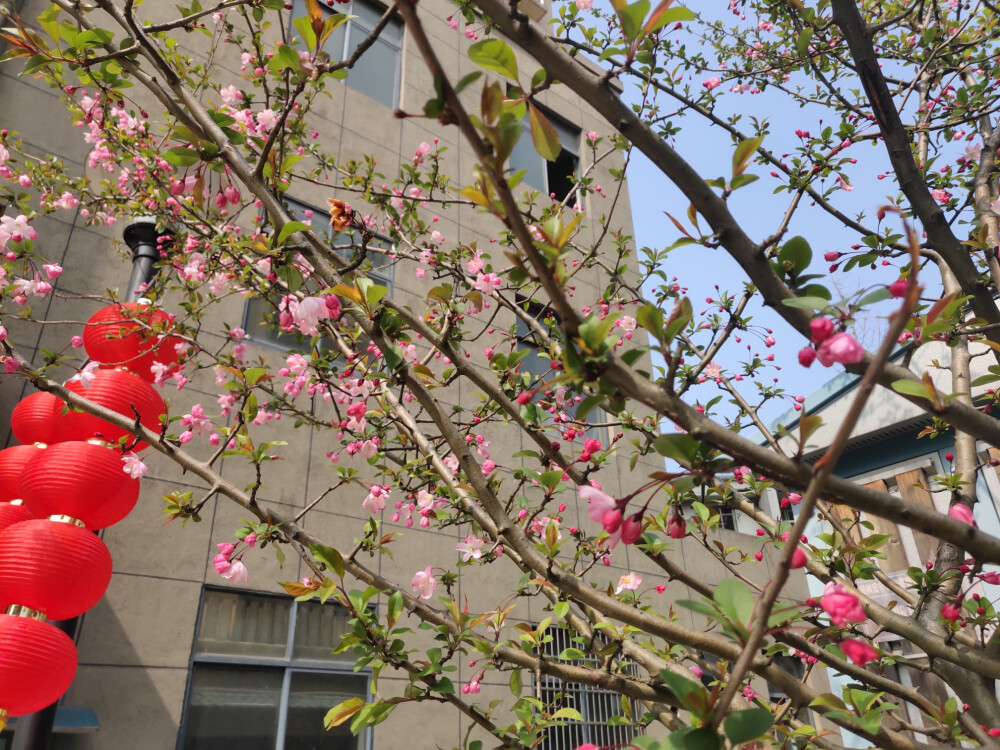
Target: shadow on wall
{"type": "Point", "coordinates": [130, 699]}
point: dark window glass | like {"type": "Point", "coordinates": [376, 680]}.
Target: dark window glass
{"type": "Point", "coordinates": [550, 177]}
{"type": "Point", "coordinates": [310, 696]}
{"type": "Point", "coordinates": [233, 706]}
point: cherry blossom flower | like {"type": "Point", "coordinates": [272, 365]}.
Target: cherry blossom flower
{"type": "Point", "coordinates": [237, 572]}
{"type": "Point", "coordinates": [842, 606]}
{"type": "Point", "coordinates": [471, 548]}
{"type": "Point", "coordinates": [858, 651]}
{"type": "Point", "coordinates": [584, 4]}
{"type": "Point", "coordinates": [628, 582]}
{"type": "Point", "coordinates": [841, 348]}
{"type": "Point", "coordinates": [940, 195]}
{"type": "Point", "coordinates": [424, 583]}
{"type": "Point", "coordinates": [376, 499]}
{"type": "Point", "coordinates": [963, 513]}
{"type": "Point", "coordinates": [133, 466]}
{"type": "Point", "coordinates": [711, 83]}
{"type": "Point", "coordinates": [266, 120]}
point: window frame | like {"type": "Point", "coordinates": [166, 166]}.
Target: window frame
{"type": "Point", "coordinates": [348, 49]}
{"type": "Point", "coordinates": [288, 663]}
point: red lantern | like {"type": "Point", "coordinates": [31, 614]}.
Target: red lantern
{"type": "Point", "coordinates": [85, 481]}
{"type": "Point", "coordinates": [125, 335]}
{"type": "Point", "coordinates": [32, 420]}
{"type": "Point", "coordinates": [59, 569]}
{"type": "Point", "coordinates": [12, 463]}
{"type": "Point", "coordinates": [15, 512]}
{"type": "Point", "coordinates": [119, 391]}
{"type": "Point", "coordinates": [37, 665]}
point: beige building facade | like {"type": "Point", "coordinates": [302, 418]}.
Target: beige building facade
{"type": "Point", "coordinates": [175, 657]}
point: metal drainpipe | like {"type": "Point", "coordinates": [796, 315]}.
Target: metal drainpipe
{"type": "Point", "coordinates": [34, 731]}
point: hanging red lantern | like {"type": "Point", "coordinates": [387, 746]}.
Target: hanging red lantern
{"type": "Point", "coordinates": [58, 569]}
{"type": "Point", "coordinates": [14, 512]}
{"type": "Point", "coordinates": [85, 481]}
{"type": "Point", "coordinates": [126, 335]}
{"type": "Point", "coordinates": [120, 391]}
{"type": "Point", "coordinates": [32, 420]}
{"type": "Point", "coordinates": [12, 463]}
{"type": "Point", "coordinates": [37, 665]}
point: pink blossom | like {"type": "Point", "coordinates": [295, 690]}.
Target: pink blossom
{"type": "Point", "coordinates": [841, 348]}
{"type": "Point", "coordinates": [940, 195]}
{"type": "Point", "coordinates": [266, 120]}
{"type": "Point", "coordinates": [237, 572]}
{"type": "Point", "coordinates": [134, 467]}
{"type": "Point", "coordinates": [376, 499]}
{"type": "Point", "coordinates": [628, 582]}
{"type": "Point", "coordinates": [471, 548]}
{"type": "Point", "coordinates": [711, 83]}
{"type": "Point", "coordinates": [798, 558]}
{"type": "Point", "coordinates": [598, 502]}
{"type": "Point", "coordinates": [807, 356]}
{"type": "Point", "coordinates": [424, 583]}
{"type": "Point", "coordinates": [76, 342]}
{"type": "Point", "coordinates": [820, 329]}
{"type": "Point", "coordinates": [53, 271]}
{"type": "Point", "coordinates": [858, 651]}
{"type": "Point", "coordinates": [677, 526]}
{"type": "Point", "coordinates": [951, 611]}
{"type": "Point", "coordinates": [749, 693]}
{"type": "Point", "coordinates": [963, 513]}
{"type": "Point", "coordinates": [898, 288]}
{"type": "Point", "coordinates": [842, 606]}
{"type": "Point", "coordinates": [584, 4]}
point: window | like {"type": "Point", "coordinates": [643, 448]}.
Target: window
{"type": "Point", "coordinates": [596, 706]}
{"type": "Point", "coordinates": [538, 365]}
{"type": "Point", "coordinates": [377, 74]}
{"type": "Point", "coordinates": [263, 676]}
{"type": "Point", "coordinates": [727, 518]}
{"type": "Point", "coordinates": [787, 511]}
{"type": "Point", "coordinates": [551, 177]}
{"type": "Point", "coordinates": [260, 314]}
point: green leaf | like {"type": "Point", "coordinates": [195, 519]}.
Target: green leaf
{"type": "Point", "coordinates": [543, 134]}
{"type": "Point", "coordinates": [803, 40]}
{"type": "Point", "coordinates": [290, 228]}
{"type": "Point", "coordinates": [395, 607]}
{"type": "Point", "coordinates": [745, 726]}
{"type": "Point", "coordinates": [735, 600]}
{"type": "Point", "coordinates": [691, 694]}
{"type": "Point", "coordinates": [515, 683]}
{"type": "Point", "coordinates": [913, 388]}
{"type": "Point", "coordinates": [182, 157]}
{"type": "Point", "coordinates": [744, 152]}
{"type": "Point", "coordinates": [795, 256]}
{"type": "Point", "coordinates": [692, 738]}
{"type": "Point", "coordinates": [570, 654]}
{"type": "Point", "coordinates": [681, 448]}
{"type": "Point", "coordinates": [329, 557]}
{"type": "Point", "coordinates": [882, 293]}
{"type": "Point", "coordinates": [342, 712]}
{"type": "Point", "coordinates": [807, 303]}
{"type": "Point", "coordinates": [285, 57]}
{"type": "Point", "coordinates": [664, 15]}
{"type": "Point", "coordinates": [568, 713]}
{"type": "Point", "coordinates": [303, 25]}
{"type": "Point", "coordinates": [632, 16]}
{"type": "Point", "coordinates": [496, 55]}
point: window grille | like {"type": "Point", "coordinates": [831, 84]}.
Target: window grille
{"type": "Point", "coordinates": [595, 705]}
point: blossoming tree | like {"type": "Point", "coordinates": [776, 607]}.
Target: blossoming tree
{"type": "Point", "coordinates": [905, 88]}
